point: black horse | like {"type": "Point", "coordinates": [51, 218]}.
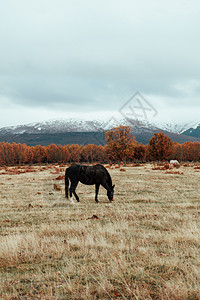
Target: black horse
{"type": "Point", "coordinates": [89, 175]}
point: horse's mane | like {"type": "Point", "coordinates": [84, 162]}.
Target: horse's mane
{"type": "Point", "coordinates": [109, 178]}
{"type": "Point", "coordinates": [108, 174]}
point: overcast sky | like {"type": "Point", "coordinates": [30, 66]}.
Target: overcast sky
{"type": "Point", "coordinates": [75, 58]}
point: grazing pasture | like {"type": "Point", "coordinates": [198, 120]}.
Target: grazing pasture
{"type": "Point", "coordinates": [144, 245]}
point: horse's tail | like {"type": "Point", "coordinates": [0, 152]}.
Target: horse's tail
{"type": "Point", "coordinates": [66, 184]}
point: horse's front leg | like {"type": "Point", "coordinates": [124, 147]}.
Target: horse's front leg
{"type": "Point", "coordinates": [96, 192]}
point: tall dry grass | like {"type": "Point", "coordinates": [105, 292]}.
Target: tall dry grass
{"type": "Point", "coordinates": [144, 245]}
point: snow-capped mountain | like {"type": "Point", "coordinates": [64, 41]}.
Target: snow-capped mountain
{"type": "Point", "coordinates": [177, 128]}
{"type": "Point", "coordinates": [74, 125]}
{"type": "Point", "coordinates": [74, 131]}
{"type": "Point", "coordinates": [78, 125]}
{"type": "Point", "coordinates": [53, 126]}
{"type": "Point", "coordinates": [193, 130]}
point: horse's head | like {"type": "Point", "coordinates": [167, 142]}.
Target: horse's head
{"type": "Point", "coordinates": [110, 193]}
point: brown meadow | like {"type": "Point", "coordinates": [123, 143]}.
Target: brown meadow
{"type": "Point", "coordinates": [144, 245]}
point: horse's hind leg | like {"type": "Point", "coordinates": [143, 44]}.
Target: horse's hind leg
{"type": "Point", "coordinates": [96, 192]}
{"type": "Point", "coordinates": [72, 190]}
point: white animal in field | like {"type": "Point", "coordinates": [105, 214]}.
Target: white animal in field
{"type": "Point", "coordinates": [174, 163]}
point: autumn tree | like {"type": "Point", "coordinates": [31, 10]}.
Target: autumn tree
{"type": "Point", "coordinates": [29, 154]}
{"type": "Point", "coordinates": [19, 153]}
{"type": "Point", "coordinates": [177, 152]}
{"type": "Point", "coordinates": [6, 153]}
{"type": "Point", "coordinates": [120, 143]}
{"type": "Point", "coordinates": [88, 153]}
{"type": "Point", "coordinates": [39, 154]}
{"type": "Point", "coordinates": [140, 152]}
{"type": "Point", "coordinates": [75, 153]}
{"type": "Point", "coordinates": [160, 147]}
{"type": "Point", "coordinates": [101, 155]}
{"type": "Point", "coordinates": [196, 151]}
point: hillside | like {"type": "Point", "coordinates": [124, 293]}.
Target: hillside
{"type": "Point", "coordinates": [194, 131]}
{"type": "Point", "coordinates": [84, 138]}
{"type": "Point", "coordinates": [89, 132]}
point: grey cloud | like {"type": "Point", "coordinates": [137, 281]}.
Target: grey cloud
{"type": "Point", "coordinates": [86, 55]}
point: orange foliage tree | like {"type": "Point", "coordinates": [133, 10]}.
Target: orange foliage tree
{"type": "Point", "coordinates": [160, 147]}
{"type": "Point", "coordinates": [75, 153]}
{"type": "Point", "coordinates": [39, 154]}
{"type": "Point", "coordinates": [19, 153]}
{"type": "Point", "coordinates": [120, 143]}
{"type": "Point", "coordinates": [190, 151]}
{"type": "Point", "coordinates": [57, 153]}
{"type": "Point", "coordinates": [140, 152]}
{"type": "Point", "coordinates": [6, 153]}
{"type": "Point", "coordinates": [92, 153]}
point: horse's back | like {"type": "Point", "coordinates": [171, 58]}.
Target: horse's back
{"type": "Point", "coordinates": [100, 167]}
{"type": "Point", "coordinates": [90, 174]}
{"type": "Point", "coordinates": [73, 170]}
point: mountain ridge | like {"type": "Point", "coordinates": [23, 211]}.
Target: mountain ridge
{"type": "Point", "coordinates": [81, 125]}
{"type": "Point", "coordinates": [68, 131]}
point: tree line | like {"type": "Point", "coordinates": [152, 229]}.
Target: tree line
{"type": "Point", "coordinates": [121, 147]}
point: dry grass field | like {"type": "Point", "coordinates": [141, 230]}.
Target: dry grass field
{"type": "Point", "coordinates": [144, 245]}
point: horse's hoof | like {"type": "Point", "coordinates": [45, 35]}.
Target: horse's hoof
{"type": "Point", "coordinates": [71, 200]}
